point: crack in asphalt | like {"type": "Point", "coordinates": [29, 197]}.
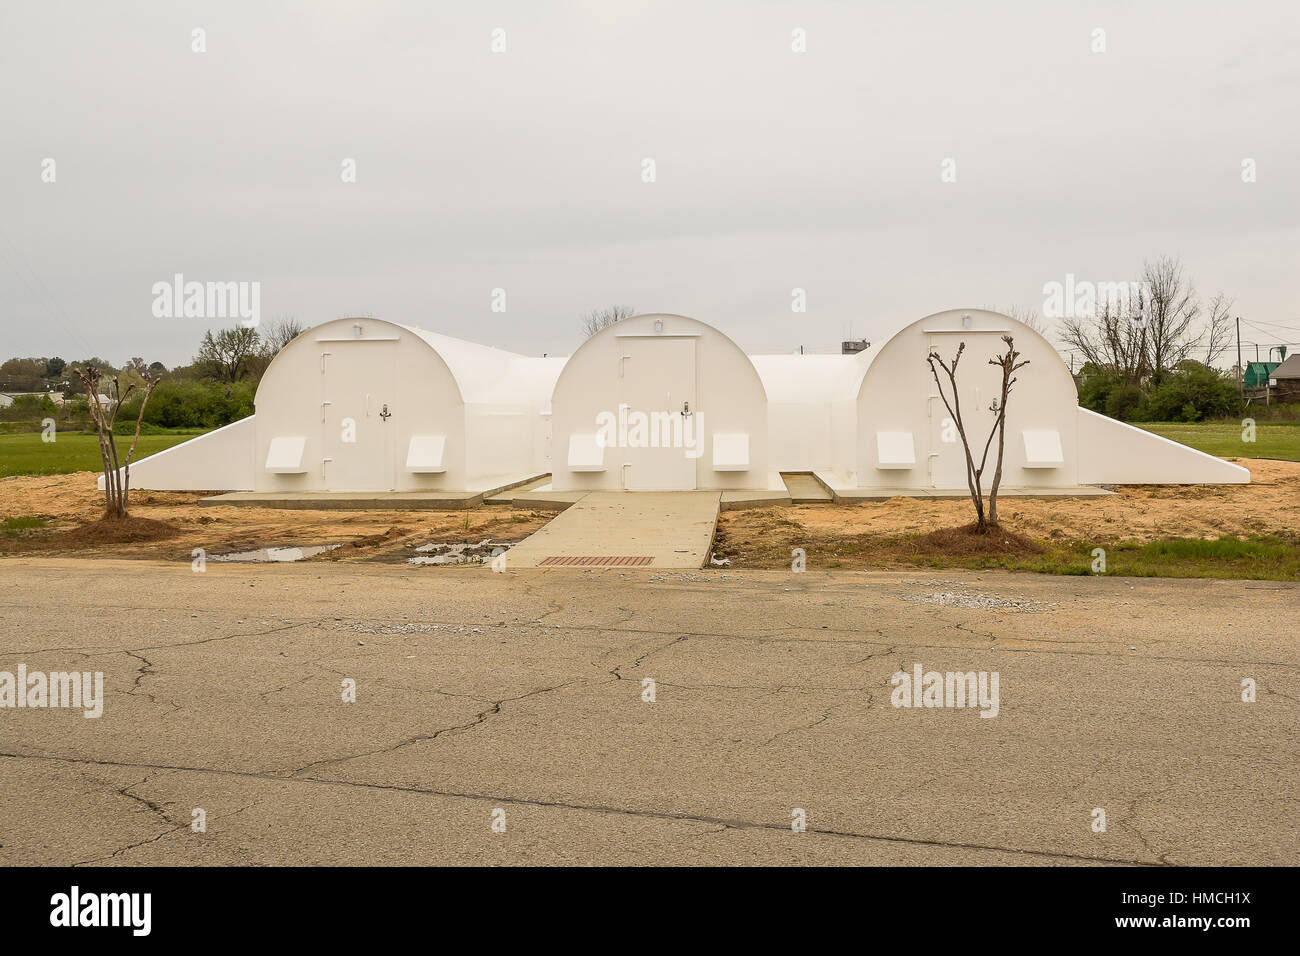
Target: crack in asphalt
{"type": "Point", "coordinates": [826, 715]}
{"type": "Point", "coordinates": [617, 670]}
{"type": "Point", "coordinates": [724, 822]}
{"type": "Point", "coordinates": [153, 807]}
{"type": "Point", "coordinates": [774, 637]}
{"type": "Point", "coordinates": [480, 718]}
{"type": "Point", "coordinates": [157, 809]}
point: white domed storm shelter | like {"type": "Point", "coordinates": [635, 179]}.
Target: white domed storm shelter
{"type": "Point", "coordinates": [904, 436]}
{"type": "Point", "coordinates": [366, 405]}
{"type": "Point", "coordinates": [659, 403]}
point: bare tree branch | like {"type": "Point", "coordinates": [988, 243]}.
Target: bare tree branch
{"type": "Point", "coordinates": [598, 319]}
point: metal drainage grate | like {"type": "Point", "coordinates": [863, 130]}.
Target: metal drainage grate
{"type": "Point", "coordinates": [591, 560]}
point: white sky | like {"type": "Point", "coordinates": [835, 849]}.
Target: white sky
{"type": "Point", "coordinates": [522, 170]}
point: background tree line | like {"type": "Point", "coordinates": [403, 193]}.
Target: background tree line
{"type": "Point", "coordinates": [215, 389]}
{"type": "Point", "coordinates": [1152, 356]}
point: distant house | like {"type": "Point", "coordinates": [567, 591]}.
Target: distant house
{"type": "Point", "coordinates": [7, 399]}
{"type": "Point", "coordinates": [1286, 380]}
{"type": "Point", "coordinates": [1257, 373]}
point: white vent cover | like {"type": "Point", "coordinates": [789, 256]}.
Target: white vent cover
{"type": "Point", "coordinates": [585, 453]}
{"type": "Point", "coordinates": [1043, 448]}
{"type": "Point", "coordinates": [731, 451]}
{"type": "Point", "coordinates": [424, 454]}
{"type": "Point", "coordinates": [284, 457]}
{"type": "Point", "coordinates": [895, 450]}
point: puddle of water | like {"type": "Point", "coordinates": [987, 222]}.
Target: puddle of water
{"type": "Point", "coordinates": [266, 555]}
{"type": "Point", "coordinates": [481, 553]}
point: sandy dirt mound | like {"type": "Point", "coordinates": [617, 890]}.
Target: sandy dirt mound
{"type": "Point", "coordinates": [69, 502]}
{"type": "Point", "coordinates": [892, 533]}
{"type": "Point", "coordinates": [1270, 503]}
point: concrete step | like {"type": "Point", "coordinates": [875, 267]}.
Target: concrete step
{"type": "Point", "coordinates": [805, 487]}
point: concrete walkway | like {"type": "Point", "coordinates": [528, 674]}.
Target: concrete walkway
{"type": "Point", "coordinates": [657, 529]}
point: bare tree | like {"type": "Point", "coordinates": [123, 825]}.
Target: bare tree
{"type": "Point", "coordinates": [1218, 328]}
{"type": "Point", "coordinates": [1009, 365]}
{"type": "Point", "coordinates": [117, 474]}
{"type": "Point", "coordinates": [279, 334]}
{"type": "Point", "coordinates": [1171, 310]}
{"type": "Point", "coordinates": [1115, 338]}
{"type": "Point", "coordinates": [1024, 316]}
{"type": "Point", "coordinates": [598, 319]}
{"type": "Point", "coordinates": [1147, 336]}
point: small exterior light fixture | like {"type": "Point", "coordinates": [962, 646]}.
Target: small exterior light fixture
{"type": "Point", "coordinates": [965, 322]}
{"type": "Point", "coordinates": [356, 329]}
{"type": "Point", "coordinates": [659, 326]}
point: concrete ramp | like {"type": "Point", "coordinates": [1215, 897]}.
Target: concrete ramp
{"type": "Point", "coordinates": [220, 460]}
{"type": "Point", "coordinates": [1116, 453]}
{"type": "Point", "coordinates": [604, 529]}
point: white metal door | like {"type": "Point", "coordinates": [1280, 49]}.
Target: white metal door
{"type": "Point", "coordinates": [979, 385]}
{"type": "Point", "coordinates": [664, 429]}
{"type": "Point", "coordinates": [358, 414]}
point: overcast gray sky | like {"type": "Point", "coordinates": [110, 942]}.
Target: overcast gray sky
{"type": "Point", "coordinates": [522, 170]}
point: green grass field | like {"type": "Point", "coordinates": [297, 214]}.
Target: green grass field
{"type": "Point", "coordinates": [26, 454]}
{"type": "Point", "coordinates": [1259, 558]}
{"type": "Point", "coordinates": [1272, 439]}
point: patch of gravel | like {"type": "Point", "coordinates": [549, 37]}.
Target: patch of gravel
{"type": "Point", "coordinates": [975, 601]}
{"type": "Point", "coordinates": [364, 627]}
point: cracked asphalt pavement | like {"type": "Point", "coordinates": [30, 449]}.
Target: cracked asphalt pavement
{"type": "Point", "coordinates": [478, 691]}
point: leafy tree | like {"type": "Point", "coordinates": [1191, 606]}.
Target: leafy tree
{"type": "Point", "coordinates": [228, 355]}
{"type": "Point", "coordinates": [1096, 385]}
{"type": "Point", "coordinates": [1123, 401]}
{"type": "Point", "coordinates": [1192, 393]}
{"type": "Point", "coordinates": [23, 375]}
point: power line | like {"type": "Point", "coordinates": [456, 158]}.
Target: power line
{"type": "Point", "coordinates": [1264, 332]}
{"type": "Point", "coordinates": [1273, 325]}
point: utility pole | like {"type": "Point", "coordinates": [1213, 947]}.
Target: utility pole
{"type": "Point", "coordinates": [1241, 369]}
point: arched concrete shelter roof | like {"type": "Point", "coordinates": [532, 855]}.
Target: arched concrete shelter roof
{"type": "Point", "coordinates": [481, 374]}
{"type": "Point", "coordinates": [490, 376]}
{"type": "Point", "coordinates": [623, 326]}
{"type": "Point", "coordinates": [1047, 360]}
